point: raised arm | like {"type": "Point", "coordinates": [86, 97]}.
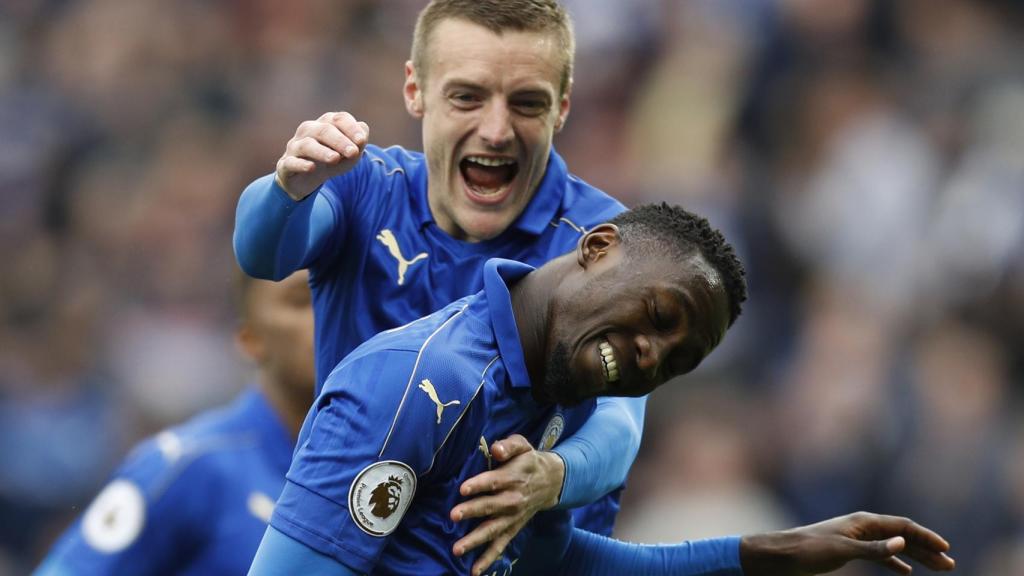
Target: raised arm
{"type": "Point", "coordinates": [280, 224]}
{"type": "Point", "coordinates": [586, 466]}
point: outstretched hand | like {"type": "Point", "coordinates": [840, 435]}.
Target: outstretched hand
{"type": "Point", "coordinates": [526, 482]}
{"type": "Point", "coordinates": [827, 546]}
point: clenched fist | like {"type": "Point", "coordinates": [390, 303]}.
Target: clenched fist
{"type": "Point", "coordinates": [321, 149]}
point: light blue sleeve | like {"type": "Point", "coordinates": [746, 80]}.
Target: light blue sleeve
{"type": "Point", "coordinates": [598, 456]}
{"type": "Point", "coordinates": [556, 547]}
{"type": "Point", "coordinates": [275, 235]}
{"type": "Point", "coordinates": [280, 555]}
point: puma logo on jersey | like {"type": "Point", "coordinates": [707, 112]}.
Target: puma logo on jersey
{"type": "Point", "coordinates": [387, 238]}
{"type": "Point", "coordinates": [427, 387]}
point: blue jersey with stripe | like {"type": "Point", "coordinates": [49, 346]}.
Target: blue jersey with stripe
{"type": "Point", "coordinates": [377, 260]}
{"type": "Point", "coordinates": [402, 422]}
{"type": "Point", "coordinates": [194, 499]}
{"type": "Point", "coordinates": [386, 263]}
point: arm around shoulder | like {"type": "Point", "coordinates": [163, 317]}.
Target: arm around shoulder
{"type": "Point", "coordinates": [599, 455]}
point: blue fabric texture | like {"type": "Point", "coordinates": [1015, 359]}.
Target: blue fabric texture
{"type": "Point", "coordinates": [378, 260]}
{"type": "Point", "coordinates": [399, 427]}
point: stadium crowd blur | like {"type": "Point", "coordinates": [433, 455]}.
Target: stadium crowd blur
{"type": "Point", "coordinates": [866, 156]}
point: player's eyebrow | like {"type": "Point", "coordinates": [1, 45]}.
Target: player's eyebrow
{"type": "Point", "coordinates": [683, 296]}
{"type": "Point", "coordinates": [690, 310]}
{"type": "Point", "coordinates": [708, 339]}
{"type": "Point", "coordinates": [532, 93]}
{"type": "Point", "coordinates": [459, 84]}
{"type": "Point", "coordinates": [471, 86]}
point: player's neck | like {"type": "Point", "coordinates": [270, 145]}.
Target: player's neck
{"type": "Point", "coordinates": [530, 306]}
{"type": "Point", "coordinates": [287, 404]}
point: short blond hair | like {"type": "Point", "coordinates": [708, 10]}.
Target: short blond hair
{"type": "Point", "coordinates": [543, 16]}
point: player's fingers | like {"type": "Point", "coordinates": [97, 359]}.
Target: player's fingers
{"type": "Point", "coordinates": [482, 534]}
{"type": "Point", "coordinates": [881, 526]}
{"type": "Point", "coordinates": [915, 541]}
{"type": "Point", "coordinates": [877, 550]}
{"type": "Point", "coordinates": [329, 135]}
{"type": "Point", "coordinates": [309, 127]}
{"type": "Point", "coordinates": [919, 536]}
{"type": "Point", "coordinates": [508, 448]}
{"type": "Point", "coordinates": [922, 544]}
{"type": "Point", "coordinates": [356, 131]}
{"type": "Point", "coordinates": [493, 552]}
{"type": "Point", "coordinates": [339, 118]}
{"type": "Point", "coordinates": [896, 565]}
{"type": "Point", "coordinates": [483, 506]}
{"type": "Point", "coordinates": [309, 148]}
{"type": "Point", "coordinates": [490, 481]}
{"type": "Point", "coordinates": [933, 559]}
{"type": "Point", "coordinates": [292, 165]}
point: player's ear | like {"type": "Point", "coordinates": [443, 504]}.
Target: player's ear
{"type": "Point", "coordinates": [597, 243]}
{"type": "Point", "coordinates": [563, 107]}
{"type": "Point", "coordinates": [412, 92]}
{"type": "Point", "coordinates": [249, 343]}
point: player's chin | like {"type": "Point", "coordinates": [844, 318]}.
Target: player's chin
{"type": "Point", "coordinates": [586, 378]}
{"type": "Point", "coordinates": [582, 390]}
{"type": "Point", "coordinates": [484, 224]}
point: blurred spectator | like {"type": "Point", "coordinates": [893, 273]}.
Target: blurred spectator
{"type": "Point", "coordinates": [701, 479]}
{"type": "Point", "coordinates": [951, 472]}
{"type": "Point", "coordinates": [833, 414]}
{"type": "Point", "coordinates": [61, 423]}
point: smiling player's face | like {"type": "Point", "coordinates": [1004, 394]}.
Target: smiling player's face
{"type": "Point", "coordinates": [490, 106]}
{"type": "Point", "coordinates": [633, 324]}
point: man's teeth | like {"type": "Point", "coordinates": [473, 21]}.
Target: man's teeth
{"type": "Point", "coordinates": [488, 161]}
{"type": "Point", "coordinates": [611, 367]}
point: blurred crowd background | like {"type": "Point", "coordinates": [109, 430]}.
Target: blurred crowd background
{"type": "Point", "coordinates": [867, 157]}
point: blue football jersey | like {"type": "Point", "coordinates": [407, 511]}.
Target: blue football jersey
{"type": "Point", "coordinates": [402, 422]}
{"type": "Point", "coordinates": [377, 259]}
{"type": "Point", "coordinates": [194, 499]}
{"type": "Point", "coordinates": [387, 263]}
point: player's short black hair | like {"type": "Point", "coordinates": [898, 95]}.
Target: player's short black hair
{"type": "Point", "coordinates": [653, 227]}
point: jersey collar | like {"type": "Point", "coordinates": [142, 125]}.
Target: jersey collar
{"type": "Point", "coordinates": [498, 274]}
{"type": "Point", "coordinates": [543, 207]}
{"type": "Point", "coordinates": [416, 172]}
